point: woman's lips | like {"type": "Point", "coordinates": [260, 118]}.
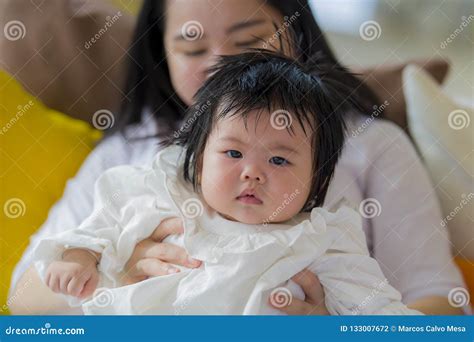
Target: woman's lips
{"type": "Point", "coordinates": [249, 199]}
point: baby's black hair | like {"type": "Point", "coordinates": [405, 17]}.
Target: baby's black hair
{"type": "Point", "coordinates": [270, 81]}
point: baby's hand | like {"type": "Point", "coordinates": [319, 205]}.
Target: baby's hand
{"type": "Point", "coordinates": [75, 275]}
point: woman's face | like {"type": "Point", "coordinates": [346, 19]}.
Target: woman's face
{"type": "Point", "coordinates": [199, 30]}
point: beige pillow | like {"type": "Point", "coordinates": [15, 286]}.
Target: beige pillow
{"type": "Point", "coordinates": [443, 132]}
{"type": "Point", "coordinates": [71, 54]}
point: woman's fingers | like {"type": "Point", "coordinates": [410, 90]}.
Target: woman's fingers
{"type": "Point", "coordinates": [151, 257]}
{"type": "Point", "coordinates": [153, 267]}
{"type": "Point", "coordinates": [311, 286]}
{"type": "Point", "coordinates": [165, 252]}
{"type": "Point", "coordinates": [295, 307]}
{"type": "Point", "coordinates": [170, 226]}
{"type": "Point", "coordinates": [172, 254]}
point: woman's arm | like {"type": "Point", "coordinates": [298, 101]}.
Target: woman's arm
{"type": "Point", "coordinates": [28, 295]}
{"type": "Point", "coordinates": [411, 246]}
{"type": "Point", "coordinates": [435, 305]}
{"type": "Point", "coordinates": [32, 297]}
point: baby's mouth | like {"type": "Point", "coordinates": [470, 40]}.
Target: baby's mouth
{"type": "Point", "coordinates": [249, 199]}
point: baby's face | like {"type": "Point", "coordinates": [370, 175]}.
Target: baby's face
{"type": "Point", "coordinates": [262, 159]}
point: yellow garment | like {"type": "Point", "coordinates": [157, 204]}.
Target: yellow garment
{"type": "Point", "coordinates": [39, 150]}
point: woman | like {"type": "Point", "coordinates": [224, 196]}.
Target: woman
{"type": "Point", "coordinates": [176, 41]}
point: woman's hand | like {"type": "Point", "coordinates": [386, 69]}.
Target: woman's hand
{"type": "Point", "coordinates": [313, 304]}
{"type": "Point", "coordinates": [152, 258]}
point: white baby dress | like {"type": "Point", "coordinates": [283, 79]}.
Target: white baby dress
{"type": "Point", "coordinates": [242, 264]}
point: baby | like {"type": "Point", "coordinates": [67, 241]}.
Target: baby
{"type": "Point", "coordinates": [247, 173]}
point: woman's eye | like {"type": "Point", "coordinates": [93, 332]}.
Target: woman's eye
{"type": "Point", "coordinates": [248, 42]}
{"type": "Point", "coordinates": [234, 154]}
{"type": "Point", "coordinates": [279, 161]}
{"type": "Point", "coordinates": [195, 53]}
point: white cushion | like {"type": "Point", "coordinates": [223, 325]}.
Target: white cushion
{"type": "Point", "coordinates": [443, 132]}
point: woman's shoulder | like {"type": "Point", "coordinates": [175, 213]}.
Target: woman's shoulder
{"type": "Point", "coordinates": [372, 136]}
{"type": "Point", "coordinates": [136, 145]}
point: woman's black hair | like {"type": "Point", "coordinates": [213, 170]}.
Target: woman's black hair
{"type": "Point", "coordinates": [289, 92]}
{"type": "Point", "coordinates": [148, 83]}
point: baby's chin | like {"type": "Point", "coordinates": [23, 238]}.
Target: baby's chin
{"type": "Point", "coordinates": [254, 219]}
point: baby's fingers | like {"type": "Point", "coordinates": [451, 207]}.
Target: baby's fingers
{"type": "Point", "coordinates": [53, 282]}
{"type": "Point", "coordinates": [89, 286]}
{"type": "Point", "coordinates": [64, 280]}
{"type": "Point", "coordinates": [76, 285]}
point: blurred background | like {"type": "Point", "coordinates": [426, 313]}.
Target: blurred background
{"type": "Point", "coordinates": [403, 30]}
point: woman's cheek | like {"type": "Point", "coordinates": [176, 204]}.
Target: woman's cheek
{"type": "Point", "coordinates": [186, 78]}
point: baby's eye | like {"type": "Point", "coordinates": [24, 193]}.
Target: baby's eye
{"type": "Point", "coordinates": [279, 161]}
{"type": "Point", "coordinates": [234, 154]}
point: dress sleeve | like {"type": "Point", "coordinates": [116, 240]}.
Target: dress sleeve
{"type": "Point", "coordinates": [129, 203]}
{"type": "Point", "coordinates": [353, 281]}
{"type": "Point", "coordinates": [409, 242]}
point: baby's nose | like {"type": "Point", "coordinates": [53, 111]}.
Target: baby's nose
{"type": "Point", "coordinates": [253, 173]}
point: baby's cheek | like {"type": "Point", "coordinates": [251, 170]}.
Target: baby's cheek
{"type": "Point", "coordinates": [216, 188]}
{"type": "Point", "coordinates": [286, 202]}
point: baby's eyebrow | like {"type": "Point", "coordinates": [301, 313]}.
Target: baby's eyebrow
{"type": "Point", "coordinates": [277, 146]}
{"type": "Point", "coordinates": [282, 147]}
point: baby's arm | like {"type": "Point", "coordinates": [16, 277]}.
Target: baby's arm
{"type": "Point", "coordinates": [129, 204]}
{"type": "Point", "coordinates": [76, 274]}
{"type": "Point", "coordinates": [353, 281]}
